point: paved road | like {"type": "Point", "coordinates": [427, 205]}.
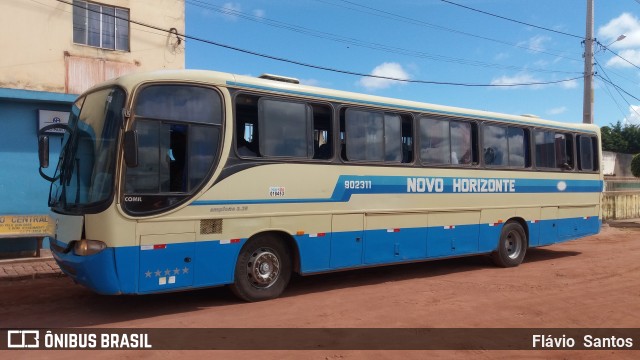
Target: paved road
{"type": "Point", "coordinates": [592, 282]}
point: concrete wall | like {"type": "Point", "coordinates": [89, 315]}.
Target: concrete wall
{"type": "Point", "coordinates": [38, 46]}
{"type": "Point", "coordinates": [617, 164]}
{"type": "Point", "coordinates": [619, 205]}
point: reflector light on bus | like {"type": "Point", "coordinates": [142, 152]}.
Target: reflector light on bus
{"type": "Point", "coordinates": [230, 241]}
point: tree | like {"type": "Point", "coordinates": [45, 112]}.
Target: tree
{"type": "Point", "coordinates": [635, 165]}
{"type": "Point", "coordinates": [621, 138]}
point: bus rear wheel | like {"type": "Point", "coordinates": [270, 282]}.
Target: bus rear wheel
{"type": "Point", "coordinates": [512, 246]}
{"type": "Point", "coordinates": [263, 269]}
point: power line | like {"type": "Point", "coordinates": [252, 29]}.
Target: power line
{"type": "Point", "coordinates": [617, 87]}
{"type": "Point", "coordinates": [319, 67]}
{"type": "Point", "coordinates": [618, 55]}
{"type": "Point", "coordinates": [512, 20]}
{"type": "Point", "coordinates": [361, 43]}
{"type": "Point", "coordinates": [401, 18]}
{"type": "Point", "coordinates": [606, 87]}
{"type": "Point", "coordinates": [607, 83]}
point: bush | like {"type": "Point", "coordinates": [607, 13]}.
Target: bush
{"type": "Point", "coordinates": [635, 165]}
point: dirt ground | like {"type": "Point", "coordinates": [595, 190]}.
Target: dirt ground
{"type": "Point", "coordinates": [592, 282]}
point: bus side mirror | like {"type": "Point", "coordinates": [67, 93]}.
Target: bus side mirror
{"type": "Point", "coordinates": [43, 151]}
{"type": "Point", "coordinates": [131, 148]}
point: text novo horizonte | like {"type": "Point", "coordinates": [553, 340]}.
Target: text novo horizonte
{"type": "Point", "coordinates": [460, 185]}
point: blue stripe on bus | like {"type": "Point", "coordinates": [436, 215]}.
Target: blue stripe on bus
{"type": "Point", "coordinates": [376, 185]}
{"type": "Point", "coordinates": [131, 270]}
{"type": "Point", "coordinates": [397, 106]}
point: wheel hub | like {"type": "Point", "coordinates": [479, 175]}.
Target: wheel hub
{"type": "Point", "coordinates": [263, 268]}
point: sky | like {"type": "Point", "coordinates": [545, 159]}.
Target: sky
{"type": "Point", "coordinates": [433, 41]}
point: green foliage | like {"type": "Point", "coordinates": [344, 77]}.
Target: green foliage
{"type": "Point", "coordinates": [635, 165]}
{"type": "Point", "coordinates": [622, 139]}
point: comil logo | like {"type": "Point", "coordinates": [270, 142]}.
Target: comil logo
{"type": "Point", "coordinates": [23, 339]}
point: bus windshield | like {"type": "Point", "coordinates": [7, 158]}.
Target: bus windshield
{"type": "Point", "coordinates": [84, 176]}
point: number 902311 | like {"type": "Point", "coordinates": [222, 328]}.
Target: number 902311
{"type": "Point", "coordinates": [357, 184]}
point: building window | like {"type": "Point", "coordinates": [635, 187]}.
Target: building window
{"type": "Point", "coordinates": [100, 26]}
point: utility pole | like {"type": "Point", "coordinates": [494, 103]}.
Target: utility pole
{"type": "Point", "coordinates": [587, 105]}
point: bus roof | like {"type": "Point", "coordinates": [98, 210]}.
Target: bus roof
{"type": "Point", "coordinates": [131, 81]}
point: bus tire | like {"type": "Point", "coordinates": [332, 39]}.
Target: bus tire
{"type": "Point", "coordinates": [263, 269]}
{"type": "Point", "coordinates": [512, 246]}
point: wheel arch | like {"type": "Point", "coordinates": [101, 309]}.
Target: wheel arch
{"type": "Point", "coordinates": [524, 225]}
{"type": "Point", "coordinates": [288, 240]}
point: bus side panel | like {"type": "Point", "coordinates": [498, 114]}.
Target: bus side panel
{"type": "Point", "coordinates": [126, 258]}
{"type": "Point", "coordinates": [453, 234]}
{"type": "Point", "coordinates": [394, 238]}
{"type": "Point", "coordinates": [575, 222]}
{"type": "Point", "coordinates": [548, 226]}
{"type": "Point", "coordinates": [313, 239]}
{"type": "Point", "coordinates": [531, 216]}
{"type": "Point", "coordinates": [491, 222]}
{"type": "Point", "coordinates": [215, 262]}
{"type": "Point", "coordinates": [166, 261]}
{"type": "Point", "coordinates": [216, 252]}
{"type": "Point", "coordinates": [346, 240]}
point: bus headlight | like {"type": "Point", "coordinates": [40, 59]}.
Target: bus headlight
{"type": "Point", "coordinates": [86, 247]}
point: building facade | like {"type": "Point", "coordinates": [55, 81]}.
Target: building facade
{"type": "Point", "coordinates": [54, 50]}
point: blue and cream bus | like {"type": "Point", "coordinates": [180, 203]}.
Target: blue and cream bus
{"type": "Point", "coordinates": [178, 180]}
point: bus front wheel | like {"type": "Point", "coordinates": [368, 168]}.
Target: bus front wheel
{"type": "Point", "coordinates": [512, 246]}
{"type": "Point", "coordinates": [263, 269]}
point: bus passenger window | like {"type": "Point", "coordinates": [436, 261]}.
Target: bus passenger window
{"type": "Point", "coordinates": [545, 149]}
{"type": "Point", "coordinates": [407, 139]}
{"type": "Point", "coordinates": [322, 132]}
{"type": "Point", "coordinates": [247, 140]}
{"type": "Point", "coordinates": [504, 146]}
{"type": "Point", "coordinates": [554, 150]}
{"type": "Point", "coordinates": [247, 137]}
{"type": "Point", "coordinates": [285, 128]}
{"type": "Point", "coordinates": [435, 145]}
{"type": "Point", "coordinates": [494, 147]}
{"type": "Point", "coordinates": [586, 144]}
{"type": "Point", "coordinates": [461, 150]}
{"type": "Point", "coordinates": [371, 136]}
{"type": "Point", "coordinates": [518, 144]}
{"type": "Point", "coordinates": [564, 151]}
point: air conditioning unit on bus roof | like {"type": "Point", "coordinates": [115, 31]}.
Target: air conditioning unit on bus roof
{"type": "Point", "coordinates": [279, 78]}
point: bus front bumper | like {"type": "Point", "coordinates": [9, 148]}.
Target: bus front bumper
{"type": "Point", "coordinates": [96, 272]}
